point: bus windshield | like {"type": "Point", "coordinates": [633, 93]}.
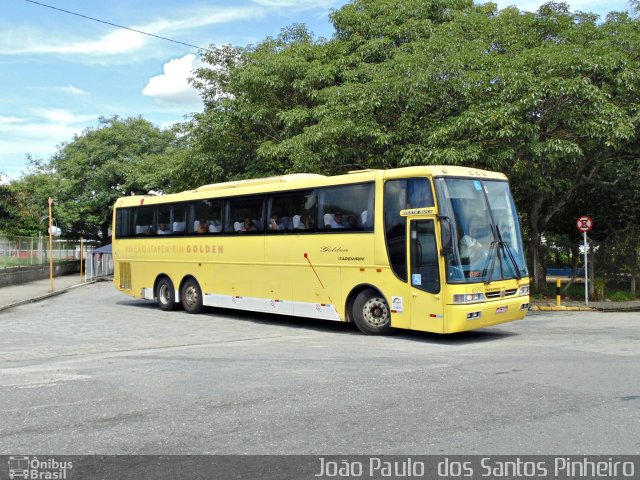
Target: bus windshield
{"type": "Point", "coordinates": [486, 244]}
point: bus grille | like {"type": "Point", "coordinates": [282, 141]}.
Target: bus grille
{"type": "Point", "coordinates": [501, 293]}
{"type": "Point", "coordinates": [125, 275]}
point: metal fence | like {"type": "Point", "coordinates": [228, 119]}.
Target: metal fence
{"type": "Point", "coordinates": [22, 251]}
{"type": "Point", "coordinates": [28, 251]}
{"type": "Point", "coordinates": [97, 264]}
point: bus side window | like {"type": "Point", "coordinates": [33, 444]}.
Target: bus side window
{"type": "Point", "coordinates": [179, 219]}
{"type": "Point", "coordinates": [346, 207]}
{"type": "Point", "coordinates": [248, 211]}
{"type": "Point", "coordinates": [290, 211]}
{"type": "Point", "coordinates": [145, 221]}
{"type": "Point", "coordinates": [124, 223]}
{"type": "Point", "coordinates": [204, 217]}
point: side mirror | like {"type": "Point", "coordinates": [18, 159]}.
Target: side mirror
{"type": "Point", "coordinates": [447, 236]}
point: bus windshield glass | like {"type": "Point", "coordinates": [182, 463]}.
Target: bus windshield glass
{"type": "Point", "coordinates": [486, 244]}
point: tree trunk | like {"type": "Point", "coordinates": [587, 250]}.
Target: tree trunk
{"type": "Point", "coordinates": [104, 230]}
{"type": "Point", "coordinates": [538, 272]}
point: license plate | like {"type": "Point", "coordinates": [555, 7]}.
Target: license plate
{"type": "Point", "coordinates": [502, 309]}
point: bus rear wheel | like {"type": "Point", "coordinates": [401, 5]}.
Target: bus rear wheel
{"type": "Point", "coordinates": [191, 296]}
{"type": "Point", "coordinates": [371, 313]}
{"type": "Point", "coordinates": [165, 295]}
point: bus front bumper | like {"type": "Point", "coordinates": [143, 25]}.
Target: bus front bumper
{"type": "Point", "coordinates": [460, 318]}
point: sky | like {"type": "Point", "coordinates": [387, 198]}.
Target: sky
{"type": "Point", "coordinates": [59, 72]}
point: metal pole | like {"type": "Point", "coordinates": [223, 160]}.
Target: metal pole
{"type": "Point", "coordinates": [81, 253]}
{"type": "Point", "coordinates": [586, 272]}
{"type": "Point", "coordinates": [50, 247]}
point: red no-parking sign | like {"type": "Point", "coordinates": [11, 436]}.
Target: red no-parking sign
{"type": "Point", "coordinates": [584, 223]}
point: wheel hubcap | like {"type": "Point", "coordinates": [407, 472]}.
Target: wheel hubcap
{"type": "Point", "coordinates": [376, 312]}
{"type": "Point", "coordinates": [191, 295]}
{"type": "Point", "coordinates": [163, 294]}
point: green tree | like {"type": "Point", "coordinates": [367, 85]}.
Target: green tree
{"type": "Point", "coordinates": [120, 157]}
{"type": "Point", "coordinates": [25, 202]}
{"type": "Point", "coordinates": [550, 98]}
{"type": "Point", "coordinates": [8, 210]}
{"type": "Point", "coordinates": [255, 98]}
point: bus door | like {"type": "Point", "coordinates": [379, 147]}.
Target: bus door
{"type": "Point", "coordinates": [425, 282]}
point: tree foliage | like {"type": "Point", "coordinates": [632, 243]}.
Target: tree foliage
{"type": "Point", "coordinates": [548, 97]}
{"type": "Point", "coordinates": [87, 174]}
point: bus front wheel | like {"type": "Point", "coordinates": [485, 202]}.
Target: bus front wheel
{"type": "Point", "coordinates": [191, 296]}
{"type": "Point", "coordinates": [371, 313]}
{"type": "Point", "coordinates": [166, 295]}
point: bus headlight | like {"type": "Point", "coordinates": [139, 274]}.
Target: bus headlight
{"type": "Point", "coordinates": [469, 298]}
{"type": "Point", "coordinates": [524, 290]}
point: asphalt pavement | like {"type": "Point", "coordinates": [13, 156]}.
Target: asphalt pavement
{"type": "Point", "coordinates": [93, 371]}
{"type": "Point", "coordinates": [14, 295]}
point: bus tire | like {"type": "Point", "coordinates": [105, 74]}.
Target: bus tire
{"type": "Point", "coordinates": [191, 296]}
{"type": "Point", "coordinates": [166, 295]}
{"type": "Point", "coordinates": [371, 313]}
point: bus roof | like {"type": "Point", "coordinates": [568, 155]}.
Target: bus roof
{"type": "Point", "coordinates": [305, 180]}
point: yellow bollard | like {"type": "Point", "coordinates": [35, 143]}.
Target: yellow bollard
{"type": "Point", "coordinates": [558, 292]}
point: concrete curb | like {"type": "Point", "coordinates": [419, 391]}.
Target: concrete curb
{"type": "Point", "coordinates": [561, 308]}
{"type": "Point", "coordinates": [618, 309]}
{"type": "Point", "coordinates": [44, 297]}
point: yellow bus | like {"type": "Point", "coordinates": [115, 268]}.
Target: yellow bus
{"type": "Point", "coordinates": [430, 248]}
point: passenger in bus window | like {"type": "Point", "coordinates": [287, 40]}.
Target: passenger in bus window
{"type": "Point", "coordinates": [249, 225]}
{"type": "Point", "coordinates": [334, 221]}
{"type": "Point", "coordinates": [202, 227]}
{"type": "Point", "coordinates": [303, 222]}
{"type": "Point", "coordinates": [215, 226]}
{"type": "Point", "coordinates": [474, 244]}
{"type": "Point", "coordinates": [351, 221]}
{"type": "Point", "coordinates": [275, 224]}
{"type": "Point", "coordinates": [162, 229]}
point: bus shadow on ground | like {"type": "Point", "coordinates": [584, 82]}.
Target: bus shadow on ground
{"type": "Point", "coordinates": [255, 317]}
{"type": "Point", "coordinates": [299, 323]}
{"type": "Point", "coordinates": [462, 338]}
{"type": "Point", "coordinates": [488, 334]}
{"type": "Point", "coordinates": [342, 328]}
{"type": "Point", "coordinates": [148, 304]}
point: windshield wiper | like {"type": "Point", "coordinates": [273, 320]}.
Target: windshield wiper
{"type": "Point", "coordinates": [490, 263]}
{"type": "Point", "coordinates": [505, 246]}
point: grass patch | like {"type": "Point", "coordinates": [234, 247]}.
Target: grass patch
{"type": "Point", "coordinates": [615, 293]}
